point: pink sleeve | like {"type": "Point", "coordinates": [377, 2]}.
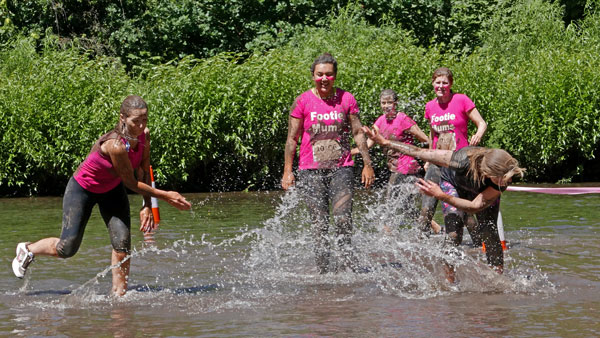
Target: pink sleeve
{"type": "Point", "coordinates": [378, 121]}
{"type": "Point", "coordinates": [427, 113]}
{"type": "Point", "coordinates": [408, 122]}
{"type": "Point", "coordinates": [352, 105]}
{"type": "Point", "coordinates": [468, 104]}
{"type": "Point", "coordinates": [297, 109]}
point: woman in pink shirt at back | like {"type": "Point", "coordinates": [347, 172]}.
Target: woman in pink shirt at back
{"type": "Point", "coordinates": [397, 126]}
{"type": "Point", "coordinates": [448, 114]}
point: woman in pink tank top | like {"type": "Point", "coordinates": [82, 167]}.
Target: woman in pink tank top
{"type": "Point", "coordinates": [119, 159]}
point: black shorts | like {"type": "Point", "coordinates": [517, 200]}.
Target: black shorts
{"type": "Point", "coordinates": [77, 208]}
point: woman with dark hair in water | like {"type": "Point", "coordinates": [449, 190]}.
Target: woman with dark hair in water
{"type": "Point", "coordinates": [324, 117]}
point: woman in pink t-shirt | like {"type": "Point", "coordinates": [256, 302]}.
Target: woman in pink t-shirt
{"type": "Point", "coordinates": [119, 159]}
{"type": "Point", "coordinates": [448, 115]}
{"type": "Point", "coordinates": [397, 126]}
{"type": "Point", "coordinates": [323, 118]}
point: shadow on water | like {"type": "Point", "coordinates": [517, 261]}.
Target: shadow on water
{"type": "Point", "coordinates": [137, 288]}
{"type": "Point", "coordinates": [177, 291]}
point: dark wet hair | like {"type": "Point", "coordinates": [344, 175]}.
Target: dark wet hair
{"type": "Point", "coordinates": [324, 58]}
{"type": "Point", "coordinates": [132, 102]}
{"type": "Point", "coordinates": [389, 92]}
{"type": "Point", "coordinates": [443, 71]}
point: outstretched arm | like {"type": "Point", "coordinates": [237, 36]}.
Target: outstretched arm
{"type": "Point", "coordinates": [438, 157]}
{"type": "Point", "coordinates": [118, 155]}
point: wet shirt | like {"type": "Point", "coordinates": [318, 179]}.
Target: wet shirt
{"type": "Point", "coordinates": [325, 129]}
{"type": "Point", "coordinates": [97, 174]}
{"type": "Point", "coordinates": [458, 174]}
{"type": "Point", "coordinates": [449, 121]}
{"type": "Point", "coordinates": [397, 130]}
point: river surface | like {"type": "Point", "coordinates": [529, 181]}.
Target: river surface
{"type": "Point", "coordinates": [241, 265]}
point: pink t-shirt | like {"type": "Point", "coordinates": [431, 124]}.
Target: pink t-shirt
{"type": "Point", "coordinates": [451, 118]}
{"type": "Point", "coordinates": [397, 130]}
{"type": "Point", "coordinates": [96, 172]}
{"type": "Point", "coordinates": [325, 129]}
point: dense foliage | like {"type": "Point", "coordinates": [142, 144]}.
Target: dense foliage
{"type": "Point", "coordinates": [220, 122]}
{"type": "Point", "coordinates": [534, 80]}
{"type": "Point", "coordinates": [155, 31]}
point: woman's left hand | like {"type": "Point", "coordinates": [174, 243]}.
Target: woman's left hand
{"type": "Point", "coordinates": [146, 219]}
{"type": "Point", "coordinates": [429, 188]}
{"type": "Point", "coordinates": [368, 176]}
{"type": "Point", "coordinates": [475, 139]}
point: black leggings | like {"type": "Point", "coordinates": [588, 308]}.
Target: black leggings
{"type": "Point", "coordinates": [486, 230]}
{"type": "Point", "coordinates": [429, 203]}
{"type": "Point", "coordinates": [321, 187]}
{"type": "Point", "coordinates": [77, 208]}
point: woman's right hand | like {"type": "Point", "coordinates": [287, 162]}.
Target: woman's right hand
{"type": "Point", "coordinates": [175, 199]}
{"type": "Point", "coordinates": [430, 188]}
{"type": "Point", "coordinates": [287, 180]}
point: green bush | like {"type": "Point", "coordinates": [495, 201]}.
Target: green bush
{"type": "Point", "coordinates": [220, 123]}
{"type": "Point", "coordinates": [53, 106]}
{"type": "Point", "coordinates": [534, 82]}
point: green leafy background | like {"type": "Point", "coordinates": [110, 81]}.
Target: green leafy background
{"type": "Point", "coordinates": [219, 78]}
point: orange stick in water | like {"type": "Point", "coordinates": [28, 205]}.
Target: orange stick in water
{"type": "Point", "coordinates": [149, 235]}
{"type": "Point", "coordinates": [500, 234]}
{"type": "Point", "coordinates": [154, 201]}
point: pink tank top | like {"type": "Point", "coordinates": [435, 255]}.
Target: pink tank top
{"type": "Point", "coordinates": [97, 174]}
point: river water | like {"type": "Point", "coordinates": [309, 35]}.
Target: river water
{"type": "Point", "coordinates": [241, 265]}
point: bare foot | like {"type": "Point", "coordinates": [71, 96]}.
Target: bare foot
{"type": "Point", "coordinates": [450, 273]}
{"type": "Point", "coordinates": [387, 230]}
{"type": "Point", "coordinates": [435, 227]}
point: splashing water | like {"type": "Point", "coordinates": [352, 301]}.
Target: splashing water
{"type": "Point", "coordinates": [274, 263]}
{"type": "Point", "coordinates": [401, 262]}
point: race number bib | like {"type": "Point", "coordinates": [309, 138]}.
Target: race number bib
{"type": "Point", "coordinates": [446, 141]}
{"type": "Point", "coordinates": [326, 150]}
